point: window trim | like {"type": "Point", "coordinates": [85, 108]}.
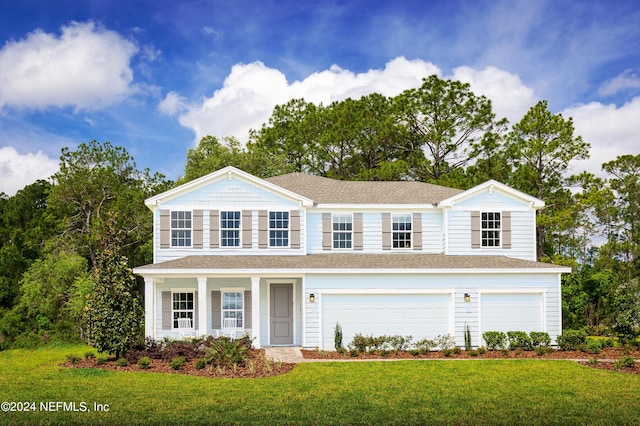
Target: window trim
{"type": "Point", "coordinates": [221, 230]}
{"type": "Point", "coordinates": [189, 230]}
{"type": "Point", "coordinates": [498, 230]}
{"type": "Point", "coordinates": [174, 319]}
{"type": "Point", "coordinates": [407, 232]}
{"type": "Point", "coordinates": [335, 232]}
{"type": "Point", "coordinates": [287, 229]}
{"type": "Point", "coordinates": [226, 290]}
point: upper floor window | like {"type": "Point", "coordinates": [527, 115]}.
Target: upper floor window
{"type": "Point", "coordinates": [230, 229]}
{"type": "Point", "coordinates": [401, 230]}
{"type": "Point", "coordinates": [278, 229]}
{"type": "Point", "coordinates": [182, 307]}
{"type": "Point", "coordinates": [490, 225]}
{"type": "Point", "coordinates": [342, 231]}
{"type": "Point", "coordinates": [180, 229]}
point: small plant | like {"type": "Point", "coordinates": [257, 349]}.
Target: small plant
{"type": "Point", "coordinates": [519, 339]}
{"type": "Point", "coordinates": [177, 362]}
{"type": "Point", "coordinates": [121, 362]}
{"type": "Point", "coordinates": [399, 343]}
{"type": "Point", "coordinates": [482, 350]}
{"type": "Point", "coordinates": [540, 339]}
{"type": "Point", "coordinates": [495, 340]}
{"type": "Point", "coordinates": [144, 363]}
{"type": "Point", "coordinates": [354, 352]}
{"type": "Point", "coordinates": [89, 355]}
{"type": "Point", "coordinates": [201, 363]}
{"type": "Point", "coordinates": [467, 337]}
{"type": "Point", "coordinates": [473, 353]}
{"type": "Point", "coordinates": [593, 361]}
{"type": "Point", "coordinates": [592, 346]}
{"type": "Point", "coordinates": [572, 340]}
{"type": "Point", "coordinates": [504, 352]}
{"type": "Point", "coordinates": [73, 359]}
{"type": "Point", "coordinates": [457, 350]}
{"type": "Point", "coordinates": [517, 351]}
{"type": "Point", "coordinates": [447, 352]}
{"type": "Point", "coordinates": [337, 332]}
{"type": "Point", "coordinates": [226, 352]}
{"type": "Point", "coordinates": [445, 341]}
{"type": "Point", "coordinates": [424, 345]}
{"type": "Point", "coordinates": [102, 359]}
{"type": "Point", "coordinates": [628, 361]}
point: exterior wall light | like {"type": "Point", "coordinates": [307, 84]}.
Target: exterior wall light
{"type": "Point", "coordinates": [312, 298]}
{"type": "Point", "coordinates": [467, 298]}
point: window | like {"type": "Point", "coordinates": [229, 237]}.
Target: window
{"type": "Point", "coordinates": [401, 228]}
{"type": "Point", "coordinates": [490, 227]}
{"type": "Point", "coordinates": [342, 231]}
{"type": "Point", "coordinates": [182, 307]}
{"type": "Point", "coordinates": [232, 306]}
{"type": "Point", "coordinates": [278, 229]}
{"type": "Point", "coordinates": [230, 229]}
{"type": "Point", "coordinates": [180, 229]}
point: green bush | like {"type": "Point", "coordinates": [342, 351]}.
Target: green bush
{"type": "Point", "coordinates": [473, 353]}
{"type": "Point", "coordinates": [225, 352]}
{"type": "Point", "coordinates": [540, 339]}
{"type": "Point", "coordinates": [425, 345]}
{"type": "Point", "coordinates": [121, 362]}
{"type": "Point", "coordinates": [399, 343]}
{"type": "Point", "coordinates": [89, 355]}
{"type": "Point", "coordinates": [467, 337]}
{"type": "Point", "coordinates": [445, 341]}
{"type": "Point", "coordinates": [495, 340]}
{"type": "Point", "coordinates": [144, 362]}
{"type": "Point", "coordinates": [201, 363]}
{"type": "Point", "coordinates": [592, 346]}
{"type": "Point", "coordinates": [572, 340]}
{"type": "Point", "coordinates": [482, 350]}
{"type": "Point", "coordinates": [102, 359]}
{"type": "Point", "coordinates": [457, 350]}
{"type": "Point", "coordinates": [177, 362]}
{"type": "Point", "coordinates": [519, 339]}
{"type": "Point", "coordinates": [73, 359]}
{"type": "Point", "coordinates": [337, 338]}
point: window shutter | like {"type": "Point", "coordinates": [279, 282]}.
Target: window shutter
{"type": "Point", "coordinates": [246, 229]}
{"type": "Point", "coordinates": [506, 230]}
{"type": "Point", "coordinates": [357, 231]}
{"type": "Point", "coordinates": [197, 229]}
{"type": "Point", "coordinates": [263, 229]}
{"type": "Point", "coordinates": [475, 229]}
{"type": "Point", "coordinates": [386, 231]}
{"type": "Point", "coordinates": [195, 311]}
{"type": "Point", "coordinates": [327, 232]}
{"type": "Point", "coordinates": [417, 231]}
{"type": "Point", "coordinates": [295, 229]}
{"type": "Point", "coordinates": [166, 310]}
{"type": "Point", "coordinates": [214, 228]}
{"type": "Point", "coordinates": [216, 310]}
{"type": "Point", "coordinates": [165, 229]}
{"type": "Point", "coordinates": [247, 309]}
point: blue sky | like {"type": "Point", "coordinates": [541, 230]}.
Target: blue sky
{"type": "Point", "coordinates": [156, 76]}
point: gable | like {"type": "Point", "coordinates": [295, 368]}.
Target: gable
{"type": "Point", "coordinates": [492, 195]}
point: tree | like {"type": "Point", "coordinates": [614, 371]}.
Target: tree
{"type": "Point", "coordinates": [443, 119]}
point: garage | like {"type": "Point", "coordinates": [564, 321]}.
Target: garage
{"type": "Point", "coordinates": [511, 312]}
{"type": "Point", "coordinates": [417, 315]}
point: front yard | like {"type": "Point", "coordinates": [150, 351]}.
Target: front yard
{"type": "Point", "coordinates": [485, 391]}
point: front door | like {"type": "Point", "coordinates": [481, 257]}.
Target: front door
{"type": "Point", "coordinates": [281, 307]}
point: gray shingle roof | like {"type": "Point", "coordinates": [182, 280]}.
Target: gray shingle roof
{"type": "Point", "coordinates": [336, 261]}
{"type": "Point", "coordinates": [330, 191]}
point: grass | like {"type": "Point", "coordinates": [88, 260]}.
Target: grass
{"type": "Point", "coordinates": [403, 392]}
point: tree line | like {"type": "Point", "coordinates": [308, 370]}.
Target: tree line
{"type": "Point", "coordinates": [57, 237]}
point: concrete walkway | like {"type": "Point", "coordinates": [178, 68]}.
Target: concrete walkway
{"type": "Point", "coordinates": [285, 354]}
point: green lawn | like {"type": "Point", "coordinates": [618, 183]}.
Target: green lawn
{"type": "Point", "coordinates": [404, 392]}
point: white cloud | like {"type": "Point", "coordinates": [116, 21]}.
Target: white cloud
{"type": "Point", "coordinates": [87, 66]}
{"type": "Point", "coordinates": [611, 131]}
{"type": "Point", "coordinates": [625, 81]}
{"type": "Point", "coordinates": [18, 171]}
{"type": "Point", "coordinates": [172, 104]}
{"type": "Point", "coordinates": [251, 91]}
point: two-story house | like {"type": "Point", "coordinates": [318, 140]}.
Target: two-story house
{"type": "Point", "coordinates": [286, 258]}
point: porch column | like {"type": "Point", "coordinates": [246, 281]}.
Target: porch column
{"type": "Point", "coordinates": [255, 311]}
{"type": "Point", "coordinates": [202, 306]}
{"type": "Point", "coordinates": [149, 312]}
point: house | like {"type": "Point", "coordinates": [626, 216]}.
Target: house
{"type": "Point", "coordinates": [286, 258]}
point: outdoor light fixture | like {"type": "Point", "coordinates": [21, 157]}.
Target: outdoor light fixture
{"type": "Point", "coordinates": [467, 298]}
{"type": "Point", "coordinates": [312, 298]}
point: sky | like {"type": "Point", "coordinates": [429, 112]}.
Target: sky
{"type": "Point", "coordinates": [156, 76]}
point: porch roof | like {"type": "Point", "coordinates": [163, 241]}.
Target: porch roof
{"type": "Point", "coordinates": [334, 262]}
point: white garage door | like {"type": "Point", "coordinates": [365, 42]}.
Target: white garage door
{"type": "Point", "coordinates": [511, 312]}
{"type": "Point", "coordinates": [417, 315]}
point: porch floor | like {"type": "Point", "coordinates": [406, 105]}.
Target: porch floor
{"type": "Point", "coordinates": [285, 354]}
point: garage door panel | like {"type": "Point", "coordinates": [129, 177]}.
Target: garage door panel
{"type": "Point", "coordinates": [511, 312]}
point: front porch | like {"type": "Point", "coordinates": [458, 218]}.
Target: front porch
{"type": "Point", "coordinates": [268, 309]}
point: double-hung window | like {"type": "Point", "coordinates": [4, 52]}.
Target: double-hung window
{"type": "Point", "coordinates": [230, 229]}
{"type": "Point", "coordinates": [490, 227]}
{"type": "Point", "coordinates": [342, 231]}
{"type": "Point", "coordinates": [401, 230]}
{"type": "Point", "coordinates": [182, 306]}
{"type": "Point", "coordinates": [278, 229]}
{"type": "Point", "coordinates": [180, 229]}
{"type": "Point", "coordinates": [232, 307]}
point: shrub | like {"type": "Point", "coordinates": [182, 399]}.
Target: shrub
{"type": "Point", "coordinates": [102, 359]}
{"type": "Point", "coordinates": [354, 352]}
{"type": "Point", "coordinates": [540, 339]}
{"type": "Point", "coordinates": [628, 361]}
{"type": "Point", "coordinates": [201, 363]}
{"type": "Point", "coordinates": [593, 346]}
{"type": "Point", "coordinates": [467, 337]}
{"type": "Point", "coordinates": [504, 352]}
{"type": "Point", "coordinates": [425, 345]}
{"type": "Point", "coordinates": [121, 362]}
{"type": "Point", "coordinates": [73, 359]}
{"type": "Point", "coordinates": [178, 362]}
{"type": "Point", "coordinates": [542, 350]}
{"type": "Point", "coordinates": [360, 343]}
{"type": "Point", "coordinates": [519, 339]}
{"type": "Point", "coordinates": [225, 352]}
{"type": "Point", "coordinates": [473, 353]}
{"type": "Point", "coordinates": [495, 340]}
{"type": "Point", "coordinates": [447, 352]}
{"type": "Point", "coordinates": [482, 350]}
{"type": "Point", "coordinates": [445, 341]}
{"type": "Point", "coordinates": [144, 362]}
{"type": "Point", "coordinates": [399, 343]}
{"type": "Point", "coordinates": [337, 337]}
{"type": "Point", "coordinates": [457, 350]}
{"type": "Point", "coordinates": [89, 355]}
{"type": "Point", "coordinates": [571, 340]}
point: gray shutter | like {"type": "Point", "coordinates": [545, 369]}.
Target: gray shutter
{"type": "Point", "coordinates": [247, 309]}
{"type": "Point", "coordinates": [263, 229]}
{"type": "Point", "coordinates": [327, 240]}
{"type": "Point", "coordinates": [357, 231]}
{"type": "Point", "coordinates": [386, 231]}
{"type": "Point", "coordinates": [166, 310]}
{"type": "Point", "coordinates": [475, 230]}
{"type": "Point", "coordinates": [165, 229]}
{"type": "Point", "coordinates": [246, 229]}
{"type": "Point", "coordinates": [216, 310]}
{"type": "Point", "coordinates": [294, 225]}
{"type": "Point", "coordinates": [195, 311]}
{"type": "Point", "coordinates": [417, 231]}
{"type": "Point", "coordinates": [506, 230]}
{"type": "Point", "coordinates": [214, 228]}
{"type": "Point", "coordinates": [197, 229]}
